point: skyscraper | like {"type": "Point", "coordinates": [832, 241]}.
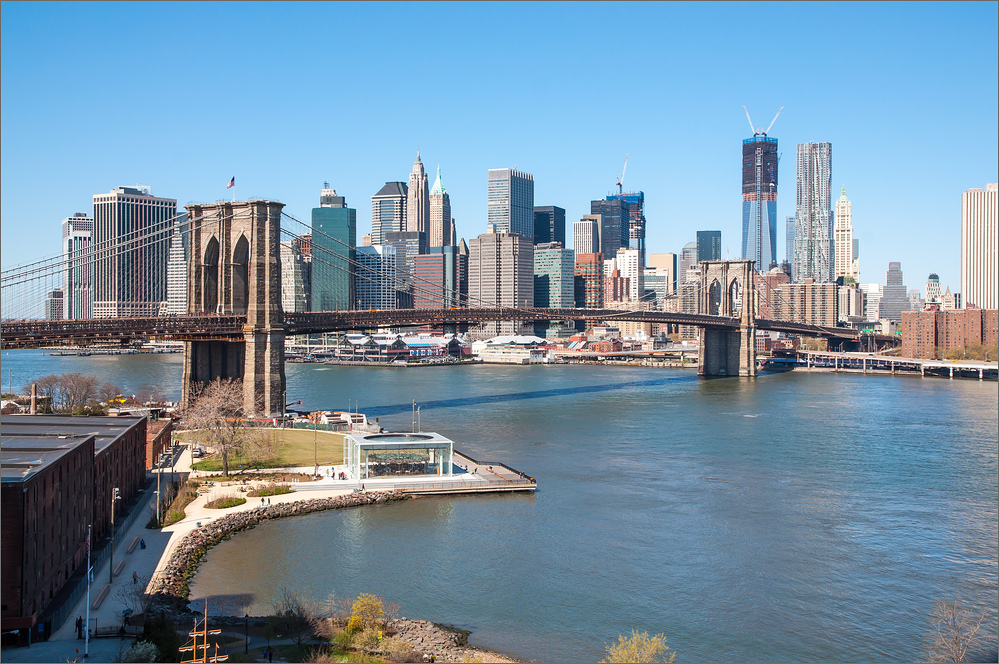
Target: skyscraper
{"type": "Point", "coordinates": [894, 299]}
{"type": "Point", "coordinates": [376, 277]}
{"type": "Point", "coordinates": [813, 218]}
{"type": "Point", "coordinates": [843, 233]}
{"type": "Point", "coordinates": [418, 203]}
{"type": "Point", "coordinates": [334, 241]}
{"type": "Point", "coordinates": [441, 233]}
{"type": "Point", "coordinates": [629, 263]}
{"type": "Point", "coordinates": [759, 200]}
{"type": "Point", "coordinates": [553, 283]}
{"type": "Point", "coordinates": [589, 281]}
{"type": "Point", "coordinates": [292, 283]}
{"type": "Point", "coordinates": [613, 224]}
{"type": "Point", "coordinates": [586, 235]}
{"type": "Point", "coordinates": [78, 262]}
{"type": "Point", "coordinates": [549, 224]}
{"type": "Point", "coordinates": [688, 259]}
{"type": "Point", "coordinates": [933, 288]}
{"type": "Point", "coordinates": [511, 201]}
{"type": "Point", "coordinates": [636, 219]}
{"type": "Point", "coordinates": [789, 243]}
{"type": "Point", "coordinates": [708, 246]}
{"type": "Point", "coordinates": [132, 241]}
{"type": "Point", "coordinates": [55, 305]}
{"type": "Point", "coordinates": [388, 210]}
{"type": "Point", "coordinates": [177, 267]}
{"type": "Point", "coordinates": [979, 242]}
{"type": "Point", "coordinates": [501, 274]}
{"type": "Point", "coordinates": [407, 248]}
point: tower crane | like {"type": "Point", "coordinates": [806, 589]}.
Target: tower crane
{"type": "Point", "coordinates": [620, 180]}
{"type": "Point", "coordinates": [760, 131]}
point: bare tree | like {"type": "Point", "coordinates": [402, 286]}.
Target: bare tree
{"type": "Point", "coordinates": [133, 596]}
{"type": "Point", "coordinates": [954, 630]}
{"type": "Point", "coordinates": [294, 615]}
{"type": "Point", "coordinates": [218, 410]}
{"type": "Point", "coordinates": [76, 391]}
{"type": "Point", "coordinates": [108, 391]}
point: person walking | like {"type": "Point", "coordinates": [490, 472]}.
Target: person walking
{"type": "Point", "coordinates": [135, 577]}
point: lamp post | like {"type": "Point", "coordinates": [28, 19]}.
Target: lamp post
{"type": "Point", "coordinates": [115, 495]}
{"type": "Point", "coordinates": [246, 634]}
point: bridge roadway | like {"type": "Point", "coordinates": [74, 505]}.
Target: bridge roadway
{"type": "Point", "coordinates": [202, 327]}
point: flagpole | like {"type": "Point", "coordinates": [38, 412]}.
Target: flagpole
{"type": "Point", "coordinates": [86, 627]}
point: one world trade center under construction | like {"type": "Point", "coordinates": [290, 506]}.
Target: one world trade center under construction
{"type": "Point", "coordinates": [759, 197]}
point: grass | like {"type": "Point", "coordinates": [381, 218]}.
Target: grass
{"type": "Point", "coordinates": [295, 447]}
{"type": "Point", "coordinates": [186, 494]}
{"type": "Point", "coordinates": [223, 502]}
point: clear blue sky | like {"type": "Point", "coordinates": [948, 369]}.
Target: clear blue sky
{"type": "Point", "coordinates": [183, 96]}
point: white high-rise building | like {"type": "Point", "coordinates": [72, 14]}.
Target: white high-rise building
{"type": "Point", "coordinates": [292, 279]}
{"type": "Point", "coordinates": [388, 211]}
{"type": "Point", "coordinates": [933, 288]}
{"type": "Point", "coordinates": [501, 274]}
{"type": "Point", "coordinates": [78, 270]}
{"type": "Point", "coordinates": [872, 301]}
{"type": "Point", "coordinates": [376, 277]}
{"type": "Point", "coordinates": [441, 232]}
{"type": "Point", "coordinates": [813, 217]}
{"type": "Point", "coordinates": [629, 264]}
{"type": "Point", "coordinates": [979, 245]}
{"type": "Point", "coordinates": [511, 201]}
{"type": "Point", "coordinates": [586, 235]}
{"type": "Point", "coordinates": [132, 241]}
{"type": "Point", "coordinates": [843, 233]}
{"type": "Point", "coordinates": [418, 203]}
{"type": "Point", "coordinates": [177, 268]}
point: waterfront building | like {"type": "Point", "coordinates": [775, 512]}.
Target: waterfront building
{"type": "Point", "coordinates": [376, 277]}
{"type": "Point", "coordinates": [388, 211]}
{"type": "Point", "coordinates": [418, 204]}
{"type": "Point", "coordinates": [709, 246]}
{"type": "Point", "coordinates": [688, 260]}
{"type": "Point", "coordinates": [813, 216]}
{"type": "Point", "coordinates": [872, 301]}
{"type": "Point", "coordinates": [334, 242]}
{"type": "Point", "coordinates": [407, 247]}
{"type": "Point", "coordinates": [614, 224]}
{"type": "Point", "coordinates": [665, 264]}
{"type": "Point", "coordinates": [789, 242]}
{"type": "Point", "coordinates": [554, 271]}
{"type": "Point", "coordinates": [511, 202]}
{"type": "Point", "coordinates": [441, 232]}
{"type": "Point", "coordinates": [549, 224]}
{"type": "Point", "coordinates": [894, 299]}
{"type": "Point", "coordinates": [177, 259]}
{"type": "Point", "coordinates": [55, 304]}
{"type": "Point", "coordinates": [501, 274]}
{"type": "Point", "coordinates": [759, 200]}
{"type": "Point", "coordinates": [586, 235]}
{"type": "Point", "coordinates": [979, 248]}
{"type": "Point", "coordinates": [293, 298]}
{"type": "Point", "coordinates": [132, 241]}
{"type": "Point", "coordinates": [415, 454]}
{"type": "Point", "coordinates": [932, 288]}
{"type": "Point", "coordinates": [930, 334]}
{"type": "Point", "coordinates": [806, 302]}
{"type": "Point", "coordinates": [78, 270]}
{"type": "Point", "coordinates": [843, 234]}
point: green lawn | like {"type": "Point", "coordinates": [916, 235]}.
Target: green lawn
{"type": "Point", "coordinates": [296, 447]}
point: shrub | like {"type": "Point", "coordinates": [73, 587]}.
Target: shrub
{"type": "Point", "coordinates": [369, 609]}
{"type": "Point", "coordinates": [640, 647]}
{"type": "Point", "coordinates": [142, 651]}
{"type": "Point", "coordinates": [270, 490]}
{"type": "Point", "coordinates": [397, 649]}
{"type": "Point", "coordinates": [228, 500]}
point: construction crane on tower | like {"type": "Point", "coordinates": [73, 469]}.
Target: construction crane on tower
{"type": "Point", "coordinates": [620, 180]}
{"type": "Point", "coordinates": [759, 131]}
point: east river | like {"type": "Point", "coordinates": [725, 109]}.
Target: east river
{"type": "Point", "coordinates": [794, 517]}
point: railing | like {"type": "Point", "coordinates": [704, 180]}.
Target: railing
{"type": "Point", "coordinates": [443, 486]}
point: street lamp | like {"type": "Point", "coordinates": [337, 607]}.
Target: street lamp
{"type": "Point", "coordinates": [246, 634]}
{"type": "Point", "coordinates": [116, 495]}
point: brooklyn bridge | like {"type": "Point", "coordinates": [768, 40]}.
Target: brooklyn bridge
{"type": "Point", "coordinates": [235, 326]}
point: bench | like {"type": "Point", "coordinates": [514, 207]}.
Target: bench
{"type": "Point", "coordinates": [135, 543]}
{"type": "Point", "coordinates": [101, 595]}
{"type": "Point", "coordinates": [117, 568]}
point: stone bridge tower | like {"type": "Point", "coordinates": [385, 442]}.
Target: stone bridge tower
{"type": "Point", "coordinates": [728, 288]}
{"type": "Point", "coordinates": [235, 269]}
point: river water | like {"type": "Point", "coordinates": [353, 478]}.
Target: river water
{"type": "Point", "coordinates": [794, 517]}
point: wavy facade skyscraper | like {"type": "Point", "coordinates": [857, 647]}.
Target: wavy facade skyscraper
{"type": "Point", "coordinates": [814, 253]}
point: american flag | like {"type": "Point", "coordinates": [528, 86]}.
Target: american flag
{"type": "Point", "coordinates": [232, 183]}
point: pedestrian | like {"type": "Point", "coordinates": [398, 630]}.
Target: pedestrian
{"type": "Point", "coordinates": [270, 655]}
{"type": "Point", "coordinates": [261, 500]}
{"type": "Point", "coordinates": [135, 577]}
{"type": "Point", "coordinates": [142, 544]}
{"type": "Point", "coordinates": [268, 501]}
{"type": "Point", "coordinates": [79, 627]}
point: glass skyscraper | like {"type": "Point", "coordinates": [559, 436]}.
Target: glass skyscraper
{"type": "Point", "coordinates": [759, 201]}
{"type": "Point", "coordinates": [334, 239]}
{"type": "Point", "coordinates": [511, 201]}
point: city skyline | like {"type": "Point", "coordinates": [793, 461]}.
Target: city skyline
{"type": "Point", "coordinates": [574, 146]}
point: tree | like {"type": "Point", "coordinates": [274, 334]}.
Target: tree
{"type": "Point", "coordinates": [108, 393]}
{"type": "Point", "coordinates": [640, 647]}
{"type": "Point", "coordinates": [218, 410]}
{"type": "Point", "coordinates": [294, 615]}
{"type": "Point", "coordinates": [954, 630]}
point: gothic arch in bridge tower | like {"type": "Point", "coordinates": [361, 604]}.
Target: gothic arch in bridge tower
{"type": "Point", "coordinates": [235, 269]}
{"type": "Point", "coordinates": [728, 290]}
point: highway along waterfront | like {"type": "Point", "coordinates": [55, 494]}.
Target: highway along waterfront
{"type": "Point", "coordinates": [792, 517]}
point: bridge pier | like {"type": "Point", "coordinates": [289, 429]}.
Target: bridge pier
{"type": "Point", "coordinates": [234, 268]}
{"type": "Point", "coordinates": [727, 288]}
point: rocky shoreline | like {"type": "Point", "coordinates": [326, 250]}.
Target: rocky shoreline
{"type": "Point", "coordinates": [170, 587]}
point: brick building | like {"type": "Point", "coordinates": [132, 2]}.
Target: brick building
{"type": "Point", "coordinates": [924, 332]}
{"type": "Point", "coordinates": [58, 475]}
